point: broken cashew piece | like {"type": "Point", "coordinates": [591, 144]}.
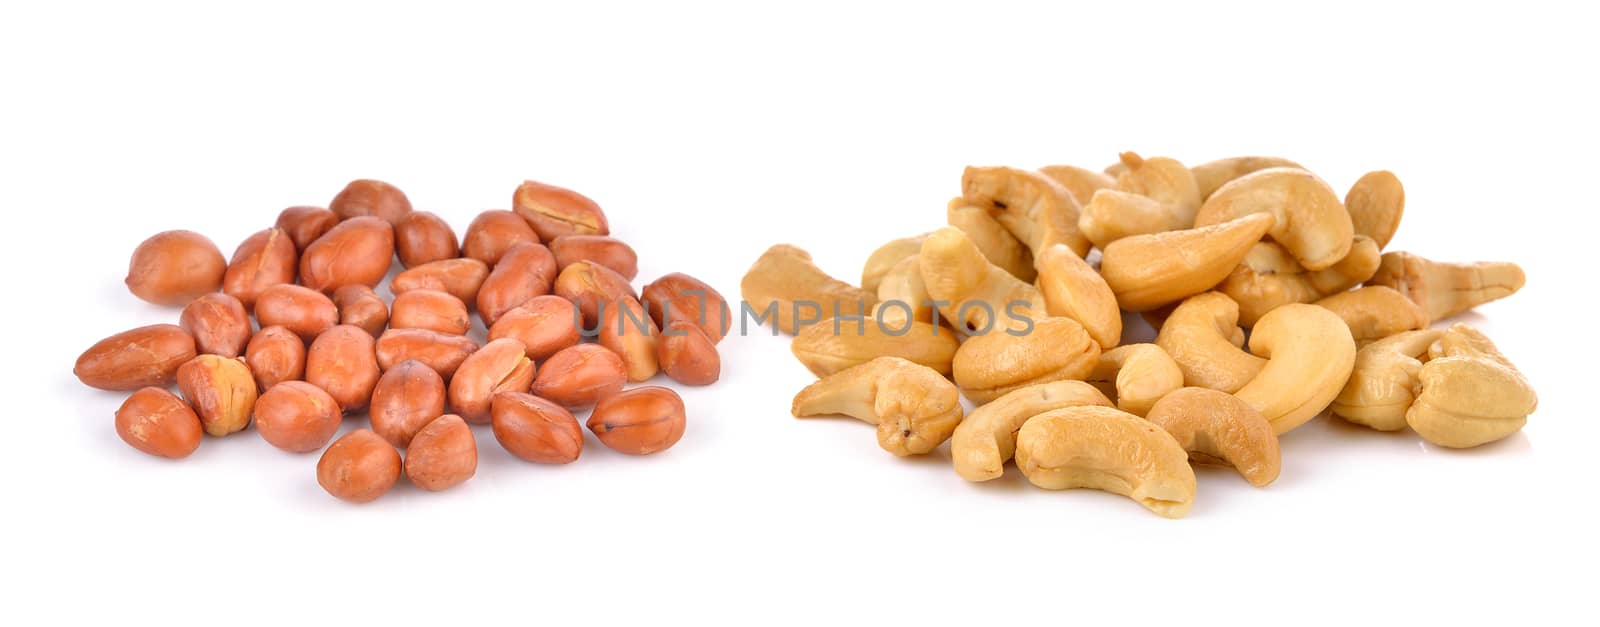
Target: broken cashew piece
{"type": "Point", "coordinates": [915, 408]}
{"type": "Point", "coordinates": [987, 438]}
{"type": "Point", "coordinates": [785, 278]}
{"type": "Point", "coordinates": [991, 365]}
{"type": "Point", "coordinates": [998, 245]}
{"type": "Point", "coordinates": [1072, 289]}
{"type": "Point", "coordinates": [1383, 382]}
{"type": "Point", "coordinates": [1164, 180]}
{"type": "Point", "coordinates": [1468, 393]}
{"type": "Point", "coordinates": [1376, 202]}
{"type": "Point", "coordinates": [1311, 222]}
{"type": "Point", "coordinates": [975, 295]}
{"type": "Point", "coordinates": [902, 290]}
{"type": "Point", "coordinates": [1111, 215]}
{"type": "Point", "coordinates": [1136, 376]}
{"type": "Point", "coordinates": [1202, 335]}
{"type": "Point", "coordinates": [1081, 183]}
{"type": "Point", "coordinates": [1212, 175]}
{"type": "Point", "coordinates": [1445, 289]}
{"type": "Point", "coordinates": [1218, 428]}
{"type": "Point", "coordinates": [882, 260]}
{"type": "Point", "coordinates": [837, 343]}
{"type": "Point", "coordinates": [1107, 449]}
{"type": "Point", "coordinates": [1036, 209]}
{"type": "Point", "coordinates": [1148, 271]}
{"type": "Point", "coordinates": [1375, 312]}
{"type": "Point", "coordinates": [1309, 354]}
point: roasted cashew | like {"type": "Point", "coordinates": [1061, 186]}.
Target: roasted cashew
{"type": "Point", "coordinates": [1375, 312]}
{"type": "Point", "coordinates": [987, 438]}
{"type": "Point", "coordinates": [1165, 181]}
{"type": "Point", "coordinates": [1202, 335]}
{"type": "Point", "coordinates": [1309, 354]}
{"type": "Point", "coordinates": [836, 344]}
{"type": "Point", "coordinates": [1269, 277]}
{"type": "Point", "coordinates": [1383, 382]}
{"type": "Point", "coordinates": [885, 257]}
{"type": "Point", "coordinates": [1136, 375]}
{"type": "Point", "coordinates": [1218, 428]}
{"type": "Point", "coordinates": [1376, 202]}
{"type": "Point", "coordinates": [1445, 289]}
{"type": "Point", "coordinates": [1071, 288]}
{"type": "Point", "coordinates": [998, 245]}
{"type": "Point", "coordinates": [1211, 175]}
{"type": "Point", "coordinates": [1107, 449]}
{"type": "Point", "coordinates": [1311, 222]}
{"type": "Point", "coordinates": [914, 407]}
{"type": "Point", "coordinates": [1148, 271]}
{"type": "Point", "coordinates": [1468, 393]}
{"type": "Point", "coordinates": [973, 294]}
{"type": "Point", "coordinates": [988, 366]}
{"type": "Point", "coordinates": [902, 290]}
{"type": "Point", "coordinates": [1079, 182]}
{"type": "Point", "coordinates": [785, 280]}
{"type": "Point", "coordinates": [1036, 209]}
{"type": "Point", "coordinates": [1111, 215]}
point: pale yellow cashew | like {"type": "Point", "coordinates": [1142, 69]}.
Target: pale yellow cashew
{"type": "Point", "coordinates": [1212, 175]}
{"type": "Point", "coordinates": [955, 272]}
{"type": "Point", "coordinates": [1311, 222]}
{"type": "Point", "coordinates": [1107, 449]}
{"type": "Point", "coordinates": [1072, 289]}
{"type": "Point", "coordinates": [1383, 381]}
{"type": "Point", "coordinates": [1218, 428]}
{"type": "Point", "coordinates": [1136, 375]}
{"type": "Point", "coordinates": [997, 244]}
{"type": "Point", "coordinates": [1165, 181]}
{"type": "Point", "coordinates": [1202, 335]}
{"type": "Point", "coordinates": [1445, 289]}
{"type": "Point", "coordinates": [1376, 202]}
{"type": "Point", "coordinates": [826, 347]}
{"type": "Point", "coordinates": [901, 290]}
{"type": "Point", "coordinates": [1081, 183]}
{"type": "Point", "coordinates": [885, 257]}
{"type": "Point", "coordinates": [1036, 209]}
{"type": "Point", "coordinates": [1468, 393]}
{"type": "Point", "coordinates": [1309, 354]}
{"type": "Point", "coordinates": [1375, 312]}
{"type": "Point", "coordinates": [1148, 271]}
{"type": "Point", "coordinates": [1269, 278]}
{"type": "Point", "coordinates": [784, 280]}
{"type": "Point", "coordinates": [987, 438]}
{"type": "Point", "coordinates": [914, 407]}
{"type": "Point", "coordinates": [1111, 215]}
{"type": "Point", "coordinates": [989, 366]}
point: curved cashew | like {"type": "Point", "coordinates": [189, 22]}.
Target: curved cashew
{"type": "Point", "coordinates": [914, 407]}
{"type": "Point", "coordinates": [1202, 335]}
{"type": "Point", "coordinates": [1269, 277]}
{"type": "Point", "coordinates": [1311, 222]}
{"type": "Point", "coordinates": [1384, 380]}
{"type": "Point", "coordinates": [1446, 289]}
{"type": "Point", "coordinates": [1036, 209]}
{"type": "Point", "coordinates": [988, 366]}
{"type": "Point", "coordinates": [885, 257]}
{"type": "Point", "coordinates": [987, 438]}
{"type": "Point", "coordinates": [1376, 202]}
{"type": "Point", "coordinates": [998, 245]}
{"type": "Point", "coordinates": [1375, 312]}
{"type": "Point", "coordinates": [1107, 449]}
{"type": "Point", "coordinates": [977, 295]}
{"type": "Point", "coordinates": [1309, 355]}
{"type": "Point", "coordinates": [1111, 215]}
{"type": "Point", "coordinates": [1136, 375]}
{"type": "Point", "coordinates": [785, 279]}
{"type": "Point", "coordinates": [1357, 266]}
{"type": "Point", "coordinates": [1079, 182]}
{"type": "Point", "coordinates": [1165, 181]}
{"type": "Point", "coordinates": [1468, 393]}
{"type": "Point", "coordinates": [902, 290]}
{"type": "Point", "coordinates": [1218, 428]}
{"type": "Point", "coordinates": [1212, 175]}
{"type": "Point", "coordinates": [1148, 271]}
{"type": "Point", "coordinates": [1072, 289]}
{"type": "Point", "coordinates": [836, 344]}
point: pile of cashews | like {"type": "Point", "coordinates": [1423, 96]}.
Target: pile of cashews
{"type": "Point", "coordinates": [1010, 307]}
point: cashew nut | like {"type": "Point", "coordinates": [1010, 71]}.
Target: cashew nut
{"type": "Point", "coordinates": [1202, 335]}
{"type": "Point", "coordinates": [1107, 449]}
{"type": "Point", "coordinates": [1376, 202]}
{"type": "Point", "coordinates": [1218, 428]}
{"type": "Point", "coordinates": [999, 246]}
{"type": "Point", "coordinates": [1375, 312]}
{"type": "Point", "coordinates": [1309, 354]}
{"type": "Point", "coordinates": [1079, 182]}
{"type": "Point", "coordinates": [1445, 289]}
{"type": "Point", "coordinates": [987, 438]}
{"type": "Point", "coordinates": [1148, 271]}
{"type": "Point", "coordinates": [836, 344]}
{"type": "Point", "coordinates": [1468, 393]}
{"type": "Point", "coordinates": [1111, 215]}
{"type": "Point", "coordinates": [1136, 375]}
{"type": "Point", "coordinates": [1036, 209]}
{"type": "Point", "coordinates": [902, 290]}
{"type": "Point", "coordinates": [784, 281]}
{"type": "Point", "coordinates": [1384, 380]}
{"type": "Point", "coordinates": [1269, 278]}
{"type": "Point", "coordinates": [915, 408]}
{"type": "Point", "coordinates": [1165, 181]}
{"type": "Point", "coordinates": [1071, 288]}
{"type": "Point", "coordinates": [1311, 222]}
{"type": "Point", "coordinates": [885, 257]}
{"type": "Point", "coordinates": [972, 293]}
{"type": "Point", "coordinates": [1212, 175]}
{"type": "Point", "coordinates": [990, 365]}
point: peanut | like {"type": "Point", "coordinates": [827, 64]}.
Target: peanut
{"type": "Point", "coordinates": [358, 467]}
{"type": "Point", "coordinates": [500, 366]}
{"type": "Point", "coordinates": [406, 398]}
{"type": "Point", "coordinates": [304, 311]}
{"type": "Point", "coordinates": [579, 376]}
{"type": "Point", "coordinates": [535, 429]}
{"type": "Point", "coordinates": [360, 306]}
{"type": "Point", "coordinates": [136, 358]}
{"type": "Point", "coordinates": [275, 355]}
{"type": "Point", "coordinates": [640, 421]}
{"type": "Point", "coordinates": [263, 260]}
{"type": "Point", "coordinates": [343, 361]}
{"type": "Point", "coordinates": [357, 251]}
{"type": "Point", "coordinates": [430, 309]}
{"type": "Point", "coordinates": [493, 233]}
{"type": "Point", "coordinates": [297, 416]}
{"type": "Point", "coordinates": [305, 224]}
{"type": "Point", "coordinates": [219, 323]}
{"type": "Point", "coordinates": [159, 423]}
{"type": "Point", "coordinates": [422, 237]}
{"type": "Point", "coordinates": [175, 267]}
{"type": "Point", "coordinates": [221, 390]}
{"type": "Point", "coordinates": [443, 455]}
{"type": "Point", "coordinates": [367, 197]}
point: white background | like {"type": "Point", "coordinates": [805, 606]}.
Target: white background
{"type": "Point", "coordinates": [709, 133]}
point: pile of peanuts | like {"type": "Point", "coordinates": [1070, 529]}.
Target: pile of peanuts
{"type": "Point", "coordinates": [1009, 307]}
{"type": "Point", "coordinates": [542, 277]}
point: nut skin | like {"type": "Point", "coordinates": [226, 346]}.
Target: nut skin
{"type": "Point", "coordinates": [579, 376]}
{"type": "Point", "coordinates": [304, 311]}
{"type": "Point", "coordinates": [275, 355]}
{"type": "Point", "coordinates": [136, 358]}
{"type": "Point", "coordinates": [628, 331]}
{"type": "Point", "coordinates": [264, 259]}
{"type": "Point", "coordinates": [297, 416]}
{"type": "Point", "coordinates": [460, 277]}
{"type": "Point", "coordinates": [606, 251]}
{"type": "Point", "coordinates": [557, 211]}
{"type": "Point", "coordinates": [407, 397]}
{"type": "Point", "coordinates": [640, 421]}
{"type": "Point", "coordinates": [500, 366]}
{"type": "Point", "coordinates": [358, 467]}
{"type": "Point", "coordinates": [679, 295]}
{"type": "Point", "coordinates": [430, 309]}
{"type": "Point", "coordinates": [305, 224]}
{"type": "Point", "coordinates": [343, 361]}
{"type": "Point", "coordinates": [589, 285]}
{"type": "Point", "coordinates": [525, 271]}
{"type": "Point", "coordinates": [535, 430]}
{"type": "Point", "coordinates": [356, 252]}
{"type": "Point", "coordinates": [360, 306]}
{"type": "Point", "coordinates": [687, 355]}
{"type": "Point", "coordinates": [157, 422]}
{"type": "Point", "coordinates": [219, 323]}
{"type": "Point", "coordinates": [439, 351]}
{"type": "Point", "coordinates": [544, 325]}
{"type": "Point", "coordinates": [493, 233]}
{"type": "Point", "coordinates": [367, 197]}
{"type": "Point", "coordinates": [221, 390]}
{"type": "Point", "coordinates": [423, 237]}
{"type": "Point", "coordinates": [443, 455]}
{"type": "Point", "coordinates": [175, 267]}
